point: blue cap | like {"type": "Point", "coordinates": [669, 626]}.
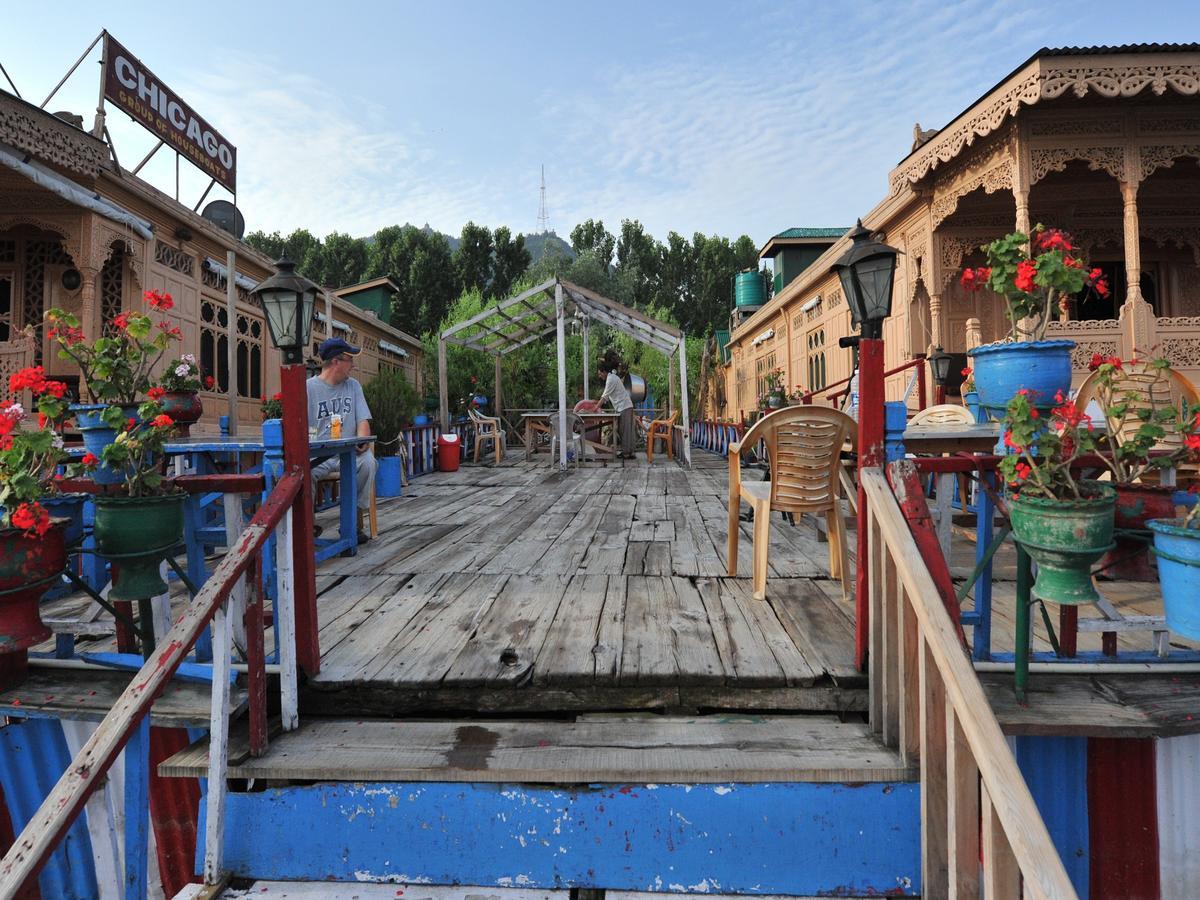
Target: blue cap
{"type": "Point", "coordinates": [331, 347]}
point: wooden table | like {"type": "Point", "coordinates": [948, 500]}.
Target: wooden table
{"type": "Point", "coordinates": [592, 420]}
{"type": "Point", "coordinates": [536, 423]}
{"type": "Point", "coordinates": [935, 440]}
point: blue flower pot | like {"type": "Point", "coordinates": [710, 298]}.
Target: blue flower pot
{"type": "Point", "coordinates": [387, 477]}
{"type": "Point", "coordinates": [69, 507]}
{"type": "Point", "coordinates": [1178, 552]}
{"type": "Point", "coordinates": [971, 402]}
{"type": "Point", "coordinates": [1001, 370]}
{"type": "Point", "coordinates": [97, 435]}
{"type": "Point", "coordinates": [421, 420]}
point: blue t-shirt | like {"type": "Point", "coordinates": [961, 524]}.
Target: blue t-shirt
{"type": "Point", "coordinates": [327, 400]}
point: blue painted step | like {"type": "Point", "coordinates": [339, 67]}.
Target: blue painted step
{"type": "Point", "coordinates": [754, 805]}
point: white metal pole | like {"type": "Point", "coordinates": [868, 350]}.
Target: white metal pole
{"type": "Point", "coordinates": [683, 399]}
{"type": "Point", "coordinates": [561, 334]}
{"type": "Point", "coordinates": [443, 389]}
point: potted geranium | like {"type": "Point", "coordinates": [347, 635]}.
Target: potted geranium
{"type": "Point", "coordinates": [1035, 275]}
{"type": "Point", "coordinates": [272, 408]}
{"type": "Point", "coordinates": [1131, 396]}
{"type": "Point", "coordinates": [1064, 523]}
{"type": "Point", "coordinates": [1177, 546]}
{"type": "Point", "coordinates": [115, 369]}
{"type": "Point", "coordinates": [139, 520]}
{"type": "Point", "coordinates": [32, 543]}
{"type": "Point", "coordinates": [178, 391]}
{"type": "Point", "coordinates": [775, 395]}
{"type": "Point", "coordinates": [970, 396]}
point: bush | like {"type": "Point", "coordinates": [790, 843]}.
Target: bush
{"type": "Point", "coordinates": [393, 402]}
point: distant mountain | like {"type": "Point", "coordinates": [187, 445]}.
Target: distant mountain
{"type": "Point", "coordinates": [547, 244]}
{"type": "Point", "coordinates": [538, 245]}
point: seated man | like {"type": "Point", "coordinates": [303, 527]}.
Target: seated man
{"type": "Point", "coordinates": [334, 393]}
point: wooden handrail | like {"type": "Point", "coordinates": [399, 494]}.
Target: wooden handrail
{"type": "Point", "coordinates": [927, 701]}
{"type": "Point", "coordinates": [58, 811]}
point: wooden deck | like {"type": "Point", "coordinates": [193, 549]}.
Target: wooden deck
{"type": "Point", "coordinates": [521, 589]}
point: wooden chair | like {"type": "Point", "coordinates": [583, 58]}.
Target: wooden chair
{"type": "Point", "coordinates": [1155, 389]}
{"type": "Point", "coordinates": [804, 446]}
{"type": "Point", "coordinates": [487, 428]}
{"type": "Point", "coordinates": [661, 430]}
{"type": "Point", "coordinates": [327, 495]}
{"type": "Point", "coordinates": [943, 511]}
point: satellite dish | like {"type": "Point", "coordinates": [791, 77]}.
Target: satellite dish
{"type": "Point", "coordinates": [225, 216]}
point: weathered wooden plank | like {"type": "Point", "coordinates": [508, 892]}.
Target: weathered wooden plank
{"type": "Point", "coordinates": [660, 750]}
{"type": "Point", "coordinates": [568, 655]}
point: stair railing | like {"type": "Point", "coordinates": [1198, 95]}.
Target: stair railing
{"type": "Point", "coordinates": [236, 584]}
{"type": "Point", "coordinates": [927, 702]}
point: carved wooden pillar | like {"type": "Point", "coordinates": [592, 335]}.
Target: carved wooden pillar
{"type": "Point", "coordinates": [935, 318]}
{"type": "Point", "coordinates": [1021, 198]}
{"type": "Point", "coordinates": [974, 333]}
{"type": "Point", "coordinates": [89, 290]}
{"type": "Point", "coordinates": [1136, 316]}
{"type": "Point", "coordinates": [935, 285]}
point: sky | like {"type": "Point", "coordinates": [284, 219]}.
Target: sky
{"type": "Point", "coordinates": [723, 118]}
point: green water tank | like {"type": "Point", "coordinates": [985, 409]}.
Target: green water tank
{"type": "Point", "coordinates": [748, 289]}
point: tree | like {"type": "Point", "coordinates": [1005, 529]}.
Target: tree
{"type": "Point", "coordinates": [676, 274]}
{"type": "Point", "coordinates": [340, 260]}
{"type": "Point", "coordinates": [594, 237]}
{"type": "Point", "coordinates": [510, 261]}
{"type": "Point", "coordinates": [473, 259]}
{"type": "Point", "coordinates": [294, 247]}
{"type": "Point", "coordinates": [638, 263]}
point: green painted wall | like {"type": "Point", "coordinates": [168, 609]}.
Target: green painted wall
{"type": "Point", "coordinates": [791, 261]}
{"type": "Point", "coordinates": [377, 300]}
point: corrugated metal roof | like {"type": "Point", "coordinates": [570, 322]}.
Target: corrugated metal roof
{"type": "Point", "coordinates": [811, 233]}
{"type": "Point", "coordinates": [33, 756]}
{"type": "Point", "coordinates": [1177, 774]}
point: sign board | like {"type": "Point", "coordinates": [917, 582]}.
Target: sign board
{"type": "Point", "coordinates": [135, 89]}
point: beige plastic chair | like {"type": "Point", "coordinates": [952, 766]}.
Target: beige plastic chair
{"type": "Point", "coordinates": [804, 446]}
{"type": "Point", "coordinates": [943, 414]}
{"type": "Point", "coordinates": [661, 430]}
{"type": "Point", "coordinates": [1155, 389]}
{"type": "Point", "coordinates": [488, 429]}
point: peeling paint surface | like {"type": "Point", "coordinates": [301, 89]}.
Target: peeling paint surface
{"type": "Point", "coordinates": [710, 839]}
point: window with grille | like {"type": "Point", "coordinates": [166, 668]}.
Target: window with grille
{"type": "Point", "coordinates": [763, 367]}
{"type": "Point", "coordinates": [38, 255]}
{"type": "Point", "coordinates": [816, 359]}
{"type": "Point", "coordinates": [6, 296]}
{"type": "Point", "coordinates": [112, 289]}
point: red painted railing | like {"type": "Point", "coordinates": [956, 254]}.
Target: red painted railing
{"type": "Point", "coordinates": [240, 569]}
{"type": "Point", "coordinates": [917, 363]}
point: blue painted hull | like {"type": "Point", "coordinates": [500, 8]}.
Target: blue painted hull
{"type": "Point", "coordinates": [741, 838]}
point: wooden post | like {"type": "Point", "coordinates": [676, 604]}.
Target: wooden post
{"type": "Point", "coordinates": [670, 386]}
{"type": "Point", "coordinates": [218, 747]}
{"type": "Point", "coordinates": [870, 455]}
{"type": "Point", "coordinates": [587, 365]}
{"type": "Point", "coordinates": [561, 340]}
{"type": "Point", "coordinates": [496, 389]}
{"type": "Point", "coordinates": [443, 399]}
{"type": "Point", "coordinates": [683, 392]}
{"type": "Point", "coordinates": [231, 395]}
{"type": "Point", "coordinates": [286, 626]}
{"type": "Point", "coordinates": [295, 459]}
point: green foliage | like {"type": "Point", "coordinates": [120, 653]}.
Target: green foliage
{"type": "Point", "coordinates": [393, 403]}
{"type": "Point", "coordinates": [137, 451]}
{"type": "Point", "coordinates": [473, 261]}
{"type": "Point", "coordinates": [591, 236]}
{"type": "Point", "coordinates": [509, 261]}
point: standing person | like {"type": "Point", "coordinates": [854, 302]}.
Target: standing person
{"type": "Point", "coordinates": [615, 393]}
{"type": "Point", "coordinates": [333, 393]}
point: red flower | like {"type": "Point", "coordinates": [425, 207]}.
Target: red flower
{"type": "Point", "coordinates": [966, 373]}
{"type": "Point", "coordinates": [974, 279]}
{"type": "Point", "coordinates": [31, 517]}
{"type": "Point", "coordinates": [1011, 444]}
{"type": "Point", "coordinates": [1053, 239]}
{"type": "Point", "coordinates": [209, 381]}
{"type": "Point", "coordinates": [121, 321]}
{"type": "Point", "coordinates": [90, 460]}
{"type": "Point", "coordinates": [162, 421]}
{"type": "Point", "coordinates": [1023, 469]}
{"type": "Point", "coordinates": [1026, 271]}
{"type": "Point", "coordinates": [131, 424]}
{"type": "Point", "coordinates": [55, 388]}
{"type": "Point", "coordinates": [155, 393]}
{"type": "Point", "coordinates": [278, 396]}
{"type": "Point", "coordinates": [159, 300]}
{"type": "Point", "coordinates": [32, 378]}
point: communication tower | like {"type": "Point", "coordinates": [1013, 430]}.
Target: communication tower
{"type": "Point", "coordinates": [543, 213]}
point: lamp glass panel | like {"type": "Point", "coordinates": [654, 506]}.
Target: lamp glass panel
{"type": "Point", "coordinates": [280, 307]}
{"type": "Point", "coordinates": [850, 290]}
{"type": "Point", "coordinates": [875, 279]}
{"type": "Point", "coordinates": [308, 303]}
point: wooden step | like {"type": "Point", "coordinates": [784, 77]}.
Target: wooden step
{"type": "Point", "coordinates": [654, 749]}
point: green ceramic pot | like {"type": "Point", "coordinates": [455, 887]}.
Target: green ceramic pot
{"type": "Point", "coordinates": [1065, 537]}
{"type": "Point", "coordinates": [137, 533]}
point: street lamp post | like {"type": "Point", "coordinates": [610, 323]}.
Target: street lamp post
{"type": "Point", "coordinates": [288, 301]}
{"type": "Point", "coordinates": [939, 363]}
{"type": "Point", "coordinates": [866, 271]}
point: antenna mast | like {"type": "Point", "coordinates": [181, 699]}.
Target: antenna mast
{"type": "Point", "coordinates": [543, 213]}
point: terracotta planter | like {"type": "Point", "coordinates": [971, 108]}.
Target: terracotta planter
{"type": "Point", "coordinates": [28, 568]}
{"type": "Point", "coordinates": [1065, 537]}
{"type": "Point", "coordinates": [1137, 504]}
{"type": "Point", "coordinates": [137, 533]}
{"type": "Point", "coordinates": [184, 407]}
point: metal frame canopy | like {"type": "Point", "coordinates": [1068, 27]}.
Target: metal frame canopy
{"type": "Point", "coordinates": [548, 307]}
